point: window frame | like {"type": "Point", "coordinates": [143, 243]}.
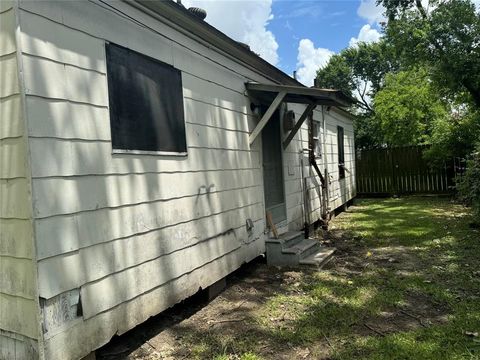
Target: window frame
{"type": "Point", "coordinates": [112, 110]}
{"type": "Point", "coordinates": [317, 142]}
{"type": "Point", "coordinates": [341, 151]}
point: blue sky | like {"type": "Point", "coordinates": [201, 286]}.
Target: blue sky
{"type": "Point", "coordinates": [296, 35]}
{"type": "Point", "coordinates": [329, 24]}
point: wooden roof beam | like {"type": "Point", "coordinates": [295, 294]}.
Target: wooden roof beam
{"type": "Point", "coordinates": [298, 124]}
{"type": "Point", "coordinates": [268, 114]}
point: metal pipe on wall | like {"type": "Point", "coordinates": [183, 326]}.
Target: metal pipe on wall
{"type": "Point", "coordinates": [326, 189]}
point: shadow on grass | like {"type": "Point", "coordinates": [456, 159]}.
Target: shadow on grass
{"type": "Point", "coordinates": [404, 285]}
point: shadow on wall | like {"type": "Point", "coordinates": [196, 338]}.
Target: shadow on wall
{"type": "Point", "coordinates": [117, 226]}
{"type": "Point", "coordinates": [320, 310]}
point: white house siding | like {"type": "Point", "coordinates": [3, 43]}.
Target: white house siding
{"type": "Point", "coordinates": [131, 235]}
{"type": "Point", "coordinates": [18, 305]}
{"type": "Point", "coordinates": [340, 191]}
{"type": "Point", "coordinates": [292, 172]}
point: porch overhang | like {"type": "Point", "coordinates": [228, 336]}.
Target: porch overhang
{"type": "Point", "coordinates": [273, 95]}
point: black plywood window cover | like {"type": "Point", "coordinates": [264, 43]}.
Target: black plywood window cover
{"type": "Point", "coordinates": [341, 152]}
{"type": "Point", "coordinates": [146, 102]}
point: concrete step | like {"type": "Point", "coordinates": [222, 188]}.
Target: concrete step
{"type": "Point", "coordinates": [302, 247]}
{"type": "Point", "coordinates": [275, 247]}
{"type": "Point", "coordinates": [287, 240]}
{"type": "Point", "coordinates": [318, 258]}
{"type": "Point", "coordinates": [292, 249]}
{"type": "Point", "coordinates": [290, 256]}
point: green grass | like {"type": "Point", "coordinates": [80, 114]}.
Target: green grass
{"type": "Point", "coordinates": [429, 240]}
{"type": "Point", "coordinates": [414, 255]}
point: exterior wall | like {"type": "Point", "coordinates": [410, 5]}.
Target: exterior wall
{"type": "Point", "coordinates": [18, 304]}
{"type": "Point", "coordinates": [340, 190]}
{"type": "Point", "coordinates": [293, 173]}
{"type": "Point", "coordinates": [127, 236]}
{"type": "Point", "coordinates": [130, 235]}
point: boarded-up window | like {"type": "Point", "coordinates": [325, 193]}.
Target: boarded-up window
{"type": "Point", "coordinates": [146, 103]}
{"type": "Point", "coordinates": [341, 152]}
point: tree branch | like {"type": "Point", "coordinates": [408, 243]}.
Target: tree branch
{"type": "Point", "coordinates": [421, 9]}
{"type": "Point", "coordinates": [364, 104]}
{"type": "Point", "coordinates": [364, 89]}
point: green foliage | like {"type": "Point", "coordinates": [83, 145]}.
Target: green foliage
{"type": "Point", "coordinates": [337, 75]}
{"type": "Point", "coordinates": [395, 7]}
{"type": "Point", "coordinates": [371, 62]}
{"type": "Point", "coordinates": [359, 70]}
{"type": "Point", "coordinates": [445, 40]}
{"type": "Point", "coordinates": [454, 32]}
{"type": "Point", "coordinates": [399, 104]}
{"type": "Point", "coordinates": [368, 133]}
{"type": "Point", "coordinates": [469, 186]}
{"type": "Point", "coordinates": [454, 137]}
{"type": "Point", "coordinates": [407, 108]}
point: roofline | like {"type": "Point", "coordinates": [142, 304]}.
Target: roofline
{"type": "Point", "coordinates": [313, 95]}
{"type": "Point", "coordinates": [172, 12]}
{"type": "Point", "coordinates": [344, 112]}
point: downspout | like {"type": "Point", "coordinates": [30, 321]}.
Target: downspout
{"type": "Point", "coordinates": [313, 163]}
{"type": "Point", "coordinates": [306, 197]}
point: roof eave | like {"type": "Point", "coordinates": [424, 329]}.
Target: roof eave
{"type": "Point", "coordinates": [173, 12]}
{"type": "Point", "coordinates": [318, 96]}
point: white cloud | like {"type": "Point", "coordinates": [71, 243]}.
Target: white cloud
{"type": "Point", "coordinates": [366, 34]}
{"type": "Point", "coordinates": [370, 11]}
{"type": "Point", "coordinates": [244, 21]}
{"type": "Point", "coordinates": [309, 60]}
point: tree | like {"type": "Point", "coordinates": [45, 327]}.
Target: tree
{"type": "Point", "coordinates": [469, 186]}
{"type": "Point", "coordinates": [444, 38]}
{"type": "Point", "coordinates": [337, 74]}
{"type": "Point", "coordinates": [454, 136]}
{"type": "Point", "coordinates": [407, 108]}
{"type": "Point", "coordinates": [368, 133]}
{"type": "Point", "coordinates": [395, 7]}
{"type": "Point", "coordinates": [359, 71]}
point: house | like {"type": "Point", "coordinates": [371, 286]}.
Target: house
{"type": "Point", "coordinates": [141, 150]}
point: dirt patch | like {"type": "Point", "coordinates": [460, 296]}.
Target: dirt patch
{"type": "Point", "coordinates": [263, 310]}
{"type": "Point", "coordinates": [418, 312]}
{"type": "Point", "coordinates": [170, 335]}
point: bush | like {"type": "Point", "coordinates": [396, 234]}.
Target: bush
{"type": "Point", "coordinates": [469, 185]}
{"type": "Point", "coordinates": [453, 137]}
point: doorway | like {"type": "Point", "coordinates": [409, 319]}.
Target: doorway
{"type": "Point", "coordinates": [273, 181]}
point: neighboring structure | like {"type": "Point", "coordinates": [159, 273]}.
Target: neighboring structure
{"type": "Point", "coordinates": [140, 149]}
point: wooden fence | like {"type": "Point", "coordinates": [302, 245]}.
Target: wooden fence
{"type": "Point", "coordinates": [401, 170]}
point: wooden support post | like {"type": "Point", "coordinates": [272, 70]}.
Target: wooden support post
{"type": "Point", "coordinates": [298, 124]}
{"type": "Point", "coordinates": [271, 225]}
{"type": "Point", "coordinates": [268, 114]}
